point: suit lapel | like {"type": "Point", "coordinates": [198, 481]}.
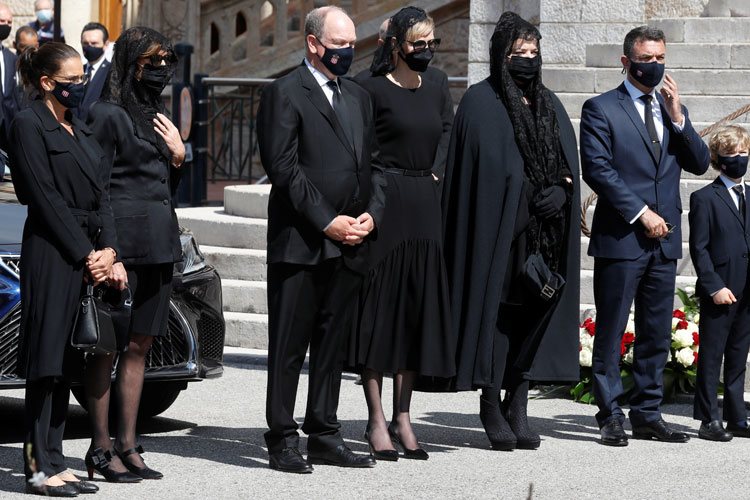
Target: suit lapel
{"type": "Point", "coordinates": [319, 100]}
{"type": "Point", "coordinates": [723, 193]}
{"type": "Point", "coordinates": [627, 104]}
{"type": "Point", "coordinates": [9, 73]}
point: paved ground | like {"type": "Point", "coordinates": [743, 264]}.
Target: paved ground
{"type": "Point", "coordinates": [210, 445]}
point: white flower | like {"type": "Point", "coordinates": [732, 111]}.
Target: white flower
{"type": "Point", "coordinates": [585, 358]}
{"type": "Point", "coordinates": [628, 358]}
{"type": "Point", "coordinates": [674, 322]}
{"type": "Point", "coordinates": [697, 318]}
{"type": "Point", "coordinates": [691, 327]}
{"type": "Point", "coordinates": [669, 357]}
{"type": "Point", "coordinates": [682, 338]}
{"type": "Point", "coordinates": [630, 327]}
{"type": "Point", "coordinates": [685, 357]}
{"type": "Point", "coordinates": [690, 290]}
{"type": "Point", "coordinates": [586, 340]}
{"type": "Point", "coordinates": [38, 479]}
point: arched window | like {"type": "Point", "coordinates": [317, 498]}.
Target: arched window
{"type": "Point", "coordinates": [267, 24]}
{"type": "Point", "coordinates": [214, 43]}
{"type": "Point", "coordinates": [240, 24]}
{"type": "Point", "coordinates": [293, 15]}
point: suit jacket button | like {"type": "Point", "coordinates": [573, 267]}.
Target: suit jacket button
{"type": "Point", "coordinates": [166, 202]}
{"type": "Point", "coordinates": [163, 180]}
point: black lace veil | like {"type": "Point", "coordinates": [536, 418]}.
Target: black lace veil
{"type": "Point", "coordinates": [122, 88]}
{"type": "Point", "coordinates": [401, 22]}
{"type": "Point", "coordinates": [536, 130]}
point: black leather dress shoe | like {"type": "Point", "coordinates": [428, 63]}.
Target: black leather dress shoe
{"type": "Point", "coordinates": [613, 434]}
{"type": "Point", "coordinates": [66, 490]}
{"type": "Point", "coordinates": [660, 431]}
{"type": "Point", "coordinates": [289, 460]}
{"type": "Point", "coordinates": [714, 431]}
{"type": "Point", "coordinates": [340, 456]}
{"type": "Point", "coordinates": [83, 486]}
{"type": "Point", "coordinates": [742, 431]}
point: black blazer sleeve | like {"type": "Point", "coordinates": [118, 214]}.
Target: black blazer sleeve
{"type": "Point", "coordinates": [700, 236]}
{"type": "Point", "coordinates": [35, 184]}
{"type": "Point", "coordinates": [277, 139]}
{"type": "Point", "coordinates": [438, 166]}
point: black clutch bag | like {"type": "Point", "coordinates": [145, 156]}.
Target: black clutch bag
{"type": "Point", "coordinates": [539, 279]}
{"type": "Point", "coordinates": [93, 330]}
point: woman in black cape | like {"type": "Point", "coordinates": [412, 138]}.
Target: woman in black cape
{"type": "Point", "coordinates": [511, 189]}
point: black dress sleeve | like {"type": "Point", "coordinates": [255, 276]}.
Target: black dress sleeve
{"type": "Point", "coordinates": [105, 132]}
{"type": "Point", "coordinates": [438, 166]}
{"type": "Point", "coordinates": [32, 176]}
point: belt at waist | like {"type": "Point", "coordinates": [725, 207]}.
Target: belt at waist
{"type": "Point", "coordinates": [92, 221]}
{"type": "Point", "coordinates": [409, 173]}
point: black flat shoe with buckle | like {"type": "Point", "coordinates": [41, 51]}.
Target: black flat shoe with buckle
{"type": "Point", "coordinates": [98, 460]}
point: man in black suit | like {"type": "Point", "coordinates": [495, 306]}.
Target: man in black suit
{"type": "Point", "coordinates": [314, 133]}
{"type": "Point", "coordinates": [634, 144]}
{"type": "Point", "coordinates": [94, 43]}
{"type": "Point", "coordinates": [8, 94]}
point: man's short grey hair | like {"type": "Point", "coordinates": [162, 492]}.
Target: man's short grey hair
{"type": "Point", "coordinates": [37, 3]}
{"type": "Point", "coordinates": [315, 20]}
{"type": "Point", "coordinates": [641, 34]}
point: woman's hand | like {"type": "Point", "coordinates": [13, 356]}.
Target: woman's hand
{"type": "Point", "coordinates": [166, 129]}
{"type": "Point", "coordinates": [119, 277]}
{"type": "Point", "coordinates": [99, 264]}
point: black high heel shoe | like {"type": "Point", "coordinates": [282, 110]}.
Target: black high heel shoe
{"type": "Point", "coordinates": [98, 460]}
{"type": "Point", "coordinates": [66, 490]}
{"type": "Point", "coordinates": [143, 472]}
{"type": "Point", "coordinates": [415, 454]}
{"type": "Point", "coordinates": [386, 455]}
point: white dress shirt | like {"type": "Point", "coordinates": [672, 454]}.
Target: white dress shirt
{"type": "Point", "coordinates": [95, 66]}
{"type": "Point", "coordinates": [322, 81]}
{"type": "Point", "coordinates": [640, 106]}
{"type": "Point", "coordinates": [2, 68]}
{"type": "Point", "coordinates": [729, 183]}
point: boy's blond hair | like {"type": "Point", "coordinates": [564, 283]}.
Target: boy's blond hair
{"type": "Point", "coordinates": [726, 140]}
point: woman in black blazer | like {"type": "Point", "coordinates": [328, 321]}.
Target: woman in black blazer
{"type": "Point", "coordinates": [143, 150]}
{"type": "Point", "coordinates": [68, 236]}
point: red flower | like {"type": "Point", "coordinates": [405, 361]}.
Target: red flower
{"type": "Point", "coordinates": [590, 326]}
{"type": "Point", "coordinates": [696, 339]}
{"type": "Point", "coordinates": [695, 358]}
{"type": "Point", "coordinates": [678, 314]}
{"type": "Point", "coordinates": [682, 325]}
{"type": "Point", "coordinates": [628, 338]}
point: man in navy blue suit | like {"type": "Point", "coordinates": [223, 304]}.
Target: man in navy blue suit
{"type": "Point", "coordinates": [634, 143]}
{"type": "Point", "coordinates": [94, 42]}
{"type": "Point", "coordinates": [8, 97]}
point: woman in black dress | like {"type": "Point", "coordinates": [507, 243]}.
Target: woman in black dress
{"type": "Point", "coordinates": [403, 325]}
{"type": "Point", "coordinates": [68, 236]}
{"type": "Point", "coordinates": [511, 190]}
{"type": "Point", "coordinates": [143, 150]}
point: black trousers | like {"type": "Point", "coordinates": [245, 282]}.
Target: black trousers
{"type": "Point", "coordinates": [46, 410]}
{"type": "Point", "coordinates": [649, 280]}
{"type": "Point", "coordinates": [308, 306]}
{"type": "Point", "coordinates": [724, 332]}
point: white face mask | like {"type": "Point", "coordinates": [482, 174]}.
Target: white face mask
{"type": "Point", "coordinates": [44, 16]}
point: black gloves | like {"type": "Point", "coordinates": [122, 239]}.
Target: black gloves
{"type": "Point", "coordinates": [549, 201]}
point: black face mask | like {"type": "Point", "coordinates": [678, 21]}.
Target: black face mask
{"type": "Point", "coordinates": [733, 167]}
{"type": "Point", "coordinates": [155, 78]}
{"type": "Point", "coordinates": [647, 74]}
{"type": "Point", "coordinates": [524, 69]}
{"type": "Point", "coordinates": [417, 61]}
{"type": "Point", "coordinates": [4, 31]}
{"type": "Point", "coordinates": [337, 61]}
{"type": "Point", "coordinates": [69, 95]}
{"type": "Point", "coordinates": [92, 53]}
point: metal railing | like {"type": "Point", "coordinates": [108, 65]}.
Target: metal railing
{"type": "Point", "coordinates": [226, 141]}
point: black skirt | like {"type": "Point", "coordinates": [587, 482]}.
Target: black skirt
{"type": "Point", "coordinates": [151, 286]}
{"type": "Point", "coordinates": [403, 316]}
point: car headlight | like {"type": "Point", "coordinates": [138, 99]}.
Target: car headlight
{"type": "Point", "coordinates": [192, 258]}
{"type": "Point", "coordinates": [10, 289]}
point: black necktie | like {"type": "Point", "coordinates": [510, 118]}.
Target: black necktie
{"type": "Point", "coordinates": [648, 117]}
{"type": "Point", "coordinates": [341, 110]}
{"type": "Point", "coordinates": [740, 200]}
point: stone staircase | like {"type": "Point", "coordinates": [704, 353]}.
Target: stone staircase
{"type": "Point", "coordinates": [710, 60]}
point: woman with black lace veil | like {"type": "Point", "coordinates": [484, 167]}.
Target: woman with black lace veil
{"type": "Point", "coordinates": [143, 150]}
{"type": "Point", "coordinates": [511, 191]}
{"type": "Point", "coordinates": [403, 323]}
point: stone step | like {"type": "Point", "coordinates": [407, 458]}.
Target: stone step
{"type": "Point", "coordinates": [237, 263]}
{"type": "Point", "coordinates": [711, 30]}
{"type": "Point", "coordinates": [679, 55]}
{"type": "Point", "coordinates": [247, 201]}
{"type": "Point", "coordinates": [587, 286]}
{"type": "Point", "coordinates": [712, 82]}
{"type": "Point", "coordinates": [687, 186]}
{"type": "Point", "coordinates": [701, 108]}
{"type": "Point", "coordinates": [684, 265]}
{"type": "Point", "coordinates": [248, 330]}
{"type": "Point", "coordinates": [244, 296]}
{"type": "Point", "coordinates": [213, 226]}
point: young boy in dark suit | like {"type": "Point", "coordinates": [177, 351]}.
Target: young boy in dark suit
{"type": "Point", "coordinates": [719, 248]}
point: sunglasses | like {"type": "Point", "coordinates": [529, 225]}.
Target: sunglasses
{"type": "Point", "coordinates": [421, 45]}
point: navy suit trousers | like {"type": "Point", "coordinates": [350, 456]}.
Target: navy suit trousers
{"type": "Point", "coordinates": [649, 281]}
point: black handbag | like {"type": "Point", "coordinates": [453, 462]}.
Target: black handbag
{"type": "Point", "coordinates": [539, 279]}
{"type": "Point", "coordinates": [93, 330]}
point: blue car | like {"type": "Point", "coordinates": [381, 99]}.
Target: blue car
{"type": "Point", "coordinates": [192, 350]}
